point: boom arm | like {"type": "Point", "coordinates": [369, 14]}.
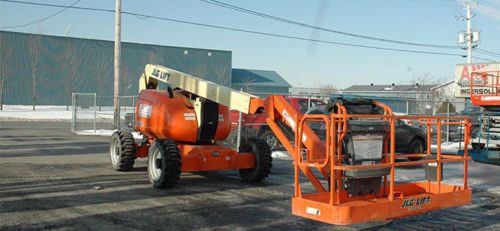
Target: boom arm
{"type": "Point", "coordinates": [276, 106]}
{"type": "Point", "coordinates": [231, 98]}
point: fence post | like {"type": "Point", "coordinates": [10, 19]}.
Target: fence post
{"type": "Point", "coordinates": [309, 102]}
{"type": "Point", "coordinates": [95, 112]}
{"type": "Point", "coordinates": [73, 121]}
{"type": "Point", "coordinates": [118, 119]}
{"type": "Point", "coordinates": [407, 107]}
{"type": "Point", "coordinates": [238, 137]}
{"type": "Point", "coordinates": [448, 124]}
{"type": "Point", "coordinates": [100, 102]}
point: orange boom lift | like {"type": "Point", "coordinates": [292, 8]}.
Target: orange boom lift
{"type": "Point", "coordinates": [346, 152]}
{"type": "Point", "coordinates": [485, 92]}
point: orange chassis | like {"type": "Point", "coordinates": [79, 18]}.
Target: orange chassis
{"type": "Point", "coordinates": [206, 157]}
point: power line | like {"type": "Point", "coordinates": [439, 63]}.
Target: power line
{"type": "Point", "coordinates": [490, 60]}
{"type": "Point", "coordinates": [291, 37]}
{"type": "Point", "coordinates": [240, 30]}
{"type": "Point", "coordinates": [487, 52]}
{"type": "Point", "coordinates": [59, 6]}
{"type": "Point", "coordinates": [260, 14]}
{"type": "Point", "coordinates": [42, 19]}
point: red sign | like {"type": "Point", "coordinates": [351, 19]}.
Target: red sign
{"type": "Point", "coordinates": [466, 72]}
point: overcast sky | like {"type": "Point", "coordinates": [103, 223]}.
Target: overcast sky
{"type": "Point", "coordinates": [302, 63]}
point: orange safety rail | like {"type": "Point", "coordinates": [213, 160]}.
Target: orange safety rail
{"type": "Point", "coordinates": [333, 204]}
{"type": "Point", "coordinates": [484, 88]}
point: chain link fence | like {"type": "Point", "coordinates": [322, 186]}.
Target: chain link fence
{"type": "Point", "coordinates": [89, 114]}
{"type": "Point", "coordinates": [246, 126]}
{"type": "Point", "coordinates": [93, 113]}
{"type": "Point", "coordinates": [84, 112]}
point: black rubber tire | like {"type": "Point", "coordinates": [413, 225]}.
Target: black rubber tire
{"type": "Point", "coordinates": [270, 139]}
{"type": "Point", "coordinates": [263, 160]}
{"type": "Point", "coordinates": [170, 163]}
{"type": "Point", "coordinates": [416, 146]}
{"type": "Point", "coordinates": [125, 151]}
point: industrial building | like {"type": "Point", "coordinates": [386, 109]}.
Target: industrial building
{"type": "Point", "coordinates": [52, 67]}
{"type": "Point", "coordinates": [259, 82]}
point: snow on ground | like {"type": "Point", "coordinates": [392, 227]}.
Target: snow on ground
{"type": "Point", "coordinates": [104, 132]}
{"type": "Point", "coordinates": [449, 147]}
{"type": "Point", "coordinates": [282, 155]}
{"type": "Point", "coordinates": [56, 113]}
{"type": "Point", "coordinates": [24, 112]}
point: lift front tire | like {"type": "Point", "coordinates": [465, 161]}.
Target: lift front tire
{"type": "Point", "coordinates": [122, 151]}
{"type": "Point", "coordinates": [164, 164]}
{"type": "Point", "coordinates": [271, 140]}
{"type": "Point", "coordinates": [263, 160]}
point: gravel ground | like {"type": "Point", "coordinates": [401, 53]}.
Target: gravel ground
{"type": "Point", "coordinates": [51, 179]}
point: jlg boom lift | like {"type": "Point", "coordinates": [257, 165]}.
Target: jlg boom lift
{"type": "Point", "coordinates": [349, 159]}
{"type": "Point", "coordinates": [485, 92]}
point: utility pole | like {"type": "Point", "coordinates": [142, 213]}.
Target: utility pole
{"type": "Point", "coordinates": [116, 102]}
{"type": "Point", "coordinates": [468, 34]}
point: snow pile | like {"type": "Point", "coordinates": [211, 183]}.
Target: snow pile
{"type": "Point", "coordinates": [104, 132]}
{"type": "Point", "coordinates": [282, 155]}
{"type": "Point", "coordinates": [42, 113]}
{"type": "Point", "coordinates": [450, 147]}
{"type": "Point", "coordinates": [57, 113]}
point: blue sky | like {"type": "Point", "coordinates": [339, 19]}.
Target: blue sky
{"type": "Point", "coordinates": [302, 63]}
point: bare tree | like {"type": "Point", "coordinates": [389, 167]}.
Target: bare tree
{"type": "Point", "coordinates": [71, 58]}
{"type": "Point", "coordinates": [445, 92]}
{"type": "Point", "coordinates": [427, 79]}
{"type": "Point", "coordinates": [199, 71]}
{"type": "Point", "coordinates": [35, 55]}
{"type": "Point", "coordinates": [328, 89]}
{"type": "Point", "coordinates": [103, 69]}
{"type": "Point", "coordinates": [5, 66]}
{"type": "Point", "coordinates": [126, 80]}
{"type": "Point", "coordinates": [247, 84]}
{"type": "Point", "coordinates": [153, 58]}
{"type": "Point", "coordinates": [222, 74]}
{"type": "Point", "coordinates": [424, 97]}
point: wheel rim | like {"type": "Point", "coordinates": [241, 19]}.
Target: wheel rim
{"type": "Point", "coordinates": [271, 141]}
{"type": "Point", "coordinates": [115, 152]}
{"type": "Point", "coordinates": [154, 167]}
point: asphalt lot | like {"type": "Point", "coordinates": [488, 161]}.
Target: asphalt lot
{"type": "Point", "coordinates": [51, 179]}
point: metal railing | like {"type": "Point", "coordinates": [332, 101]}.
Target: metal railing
{"type": "Point", "coordinates": [332, 159]}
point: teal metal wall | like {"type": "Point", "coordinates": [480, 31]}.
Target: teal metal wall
{"type": "Point", "coordinates": [68, 65]}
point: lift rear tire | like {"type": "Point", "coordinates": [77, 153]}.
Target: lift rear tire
{"type": "Point", "coordinates": [122, 151]}
{"type": "Point", "coordinates": [164, 164]}
{"type": "Point", "coordinates": [263, 160]}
